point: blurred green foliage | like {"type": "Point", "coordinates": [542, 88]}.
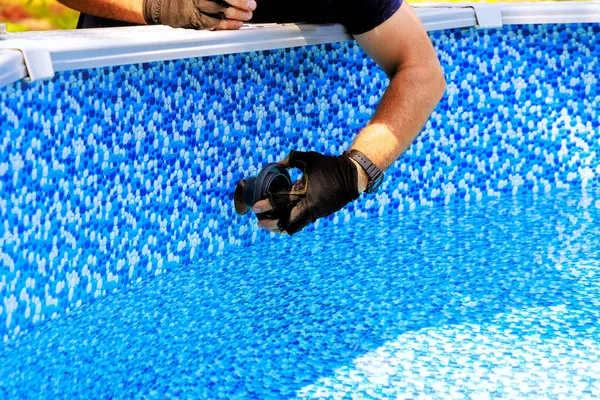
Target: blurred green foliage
{"type": "Point", "coordinates": [27, 15]}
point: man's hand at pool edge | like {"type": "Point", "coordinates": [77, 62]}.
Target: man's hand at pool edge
{"type": "Point", "coordinates": [194, 14]}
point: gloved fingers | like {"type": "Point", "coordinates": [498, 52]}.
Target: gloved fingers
{"type": "Point", "coordinates": [296, 159]}
{"type": "Point", "coordinates": [248, 5]}
{"type": "Point", "coordinates": [286, 161]}
{"type": "Point", "coordinates": [223, 17]}
{"type": "Point", "coordinates": [228, 25]}
{"type": "Point", "coordinates": [271, 225]}
{"type": "Point", "coordinates": [291, 223]}
{"type": "Point", "coordinates": [297, 219]}
{"type": "Point", "coordinates": [296, 192]}
{"type": "Point", "coordinates": [204, 21]}
{"type": "Point", "coordinates": [237, 14]}
{"type": "Point", "coordinates": [282, 200]}
{"type": "Point", "coordinates": [220, 7]}
{"type": "Point", "coordinates": [304, 160]}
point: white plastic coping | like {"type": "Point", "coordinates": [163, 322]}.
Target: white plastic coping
{"type": "Point", "coordinates": [12, 67]}
{"type": "Point", "coordinates": [538, 12]}
{"type": "Point", "coordinates": [36, 55]}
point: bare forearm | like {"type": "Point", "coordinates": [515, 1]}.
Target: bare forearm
{"type": "Point", "coordinates": [122, 10]}
{"type": "Point", "coordinates": [406, 105]}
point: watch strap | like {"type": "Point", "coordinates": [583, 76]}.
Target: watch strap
{"type": "Point", "coordinates": [373, 172]}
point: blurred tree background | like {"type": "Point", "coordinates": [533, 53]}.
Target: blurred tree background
{"type": "Point", "coordinates": [37, 15]}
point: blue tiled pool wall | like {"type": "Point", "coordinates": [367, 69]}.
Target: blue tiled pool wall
{"type": "Point", "coordinates": [113, 175]}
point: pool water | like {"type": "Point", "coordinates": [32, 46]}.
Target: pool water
{"type": "Point", "coordinates": [496, 298]}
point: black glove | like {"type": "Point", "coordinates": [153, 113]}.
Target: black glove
{"type": "Point", "coordinates": [195, 14]}
{"type": "Point", "coordinates": [328, 184]}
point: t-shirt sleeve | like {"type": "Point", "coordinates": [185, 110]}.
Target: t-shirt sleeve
{"type": "Point", "coordinates": [360, 16]}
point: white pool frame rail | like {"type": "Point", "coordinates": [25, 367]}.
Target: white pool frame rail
{"type": "Point", "coordinates": [38, 55]}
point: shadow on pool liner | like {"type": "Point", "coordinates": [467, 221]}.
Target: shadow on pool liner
{"type": "Point", "coordinates": [287, 312]}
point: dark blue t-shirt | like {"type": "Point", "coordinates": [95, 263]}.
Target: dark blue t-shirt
{"type": "Point", "coordinates": [358, 16]}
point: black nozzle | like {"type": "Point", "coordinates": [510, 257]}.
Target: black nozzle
{"type": "Point", "coordinates": [272, 179]}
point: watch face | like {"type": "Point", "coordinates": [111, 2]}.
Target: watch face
{"type": "Point", "coordinates": [375, 185]}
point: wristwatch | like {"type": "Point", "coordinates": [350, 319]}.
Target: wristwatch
{"type": "Point", "coordinates": [375, 174]}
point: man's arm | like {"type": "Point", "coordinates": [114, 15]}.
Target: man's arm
{"type": "Point", "coordinates": [120, 10]}
{"type": "Point", "coordinates": [402, 48]}
{"type": "Point", "coordinates": [133, 10]}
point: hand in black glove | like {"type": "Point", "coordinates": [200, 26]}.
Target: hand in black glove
{"type": "Point", "coordinates": [328, 184]}
{"type": "Point", "coordinates": [199, 14]}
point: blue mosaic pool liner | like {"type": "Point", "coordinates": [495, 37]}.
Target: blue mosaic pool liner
{"type": "Point", "coordinates": [498, 299]}
{"type": "Point", "coordinates": [114, 175]}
